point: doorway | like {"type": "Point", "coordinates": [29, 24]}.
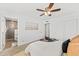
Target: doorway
{"type": "Point", "coordinates": [11, 26]}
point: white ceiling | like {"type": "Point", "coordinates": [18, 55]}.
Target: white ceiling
{"type": "Point", "coordinates": [29, 9]}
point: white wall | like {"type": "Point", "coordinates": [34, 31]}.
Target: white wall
{"type": "Point", "coordinates": [26, 36]}
{"type": "Point", "coordinates": [0, 33]}
{"type": "Point", "coordinates": [70, 28]}
{"type": "Point", "coordinates": [78, 25]}
{"type": "Point", "coordinates": [64, 28]}
{"type": "Point", "coordinates": [57, 29]}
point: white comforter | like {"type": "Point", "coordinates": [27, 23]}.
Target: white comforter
{"type": "Point", "coordinates": [41, 48]}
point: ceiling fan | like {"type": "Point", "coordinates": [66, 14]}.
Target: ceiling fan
{"type": "Point", "coordinates": [48, 10]}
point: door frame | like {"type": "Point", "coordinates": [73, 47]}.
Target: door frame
{"type": "Point", "coordinates": [3, 30]}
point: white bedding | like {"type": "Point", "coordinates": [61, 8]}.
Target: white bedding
{"type": "Point", "coordinates": [41, 48]}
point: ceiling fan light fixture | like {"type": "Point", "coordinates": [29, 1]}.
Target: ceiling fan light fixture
{"type": "Point", "coordinates": [48, 10]}
{"type": "Point", "coordinates": [47, 13]}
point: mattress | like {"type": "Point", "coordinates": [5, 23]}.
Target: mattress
{"type": "Point", "coordinates": [41, 48]}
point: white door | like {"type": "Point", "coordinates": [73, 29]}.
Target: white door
{"type": "Point", "coordinates": [47, 29]}
{"type": "Point", "coordinates": [3, 30]}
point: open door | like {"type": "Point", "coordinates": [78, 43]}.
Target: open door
{"type": "Point", "coordinates": [11, 26]}
{"type": "Point", "coordinates": [8, 32]}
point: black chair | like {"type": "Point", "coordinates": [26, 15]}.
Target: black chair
{"type": "Point", "coordinates": [65, 46]}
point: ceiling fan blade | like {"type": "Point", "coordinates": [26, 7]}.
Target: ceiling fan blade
{"type": "Point", "coordinates": [42, 14]}
{"type": "Point", "coordinates": [50, 5]}
{"type": "Point", "coordinates": [40, 10]}
{"type": "Point", "coordinates": [55, 10]}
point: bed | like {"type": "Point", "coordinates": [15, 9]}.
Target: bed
{"type": "Point", "coordinates": [41, 48]}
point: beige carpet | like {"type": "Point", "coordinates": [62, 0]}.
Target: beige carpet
{"type": "Point", "coordinates": [21, 53]}
{"type": "Point", "coordinates": [14, 51]}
